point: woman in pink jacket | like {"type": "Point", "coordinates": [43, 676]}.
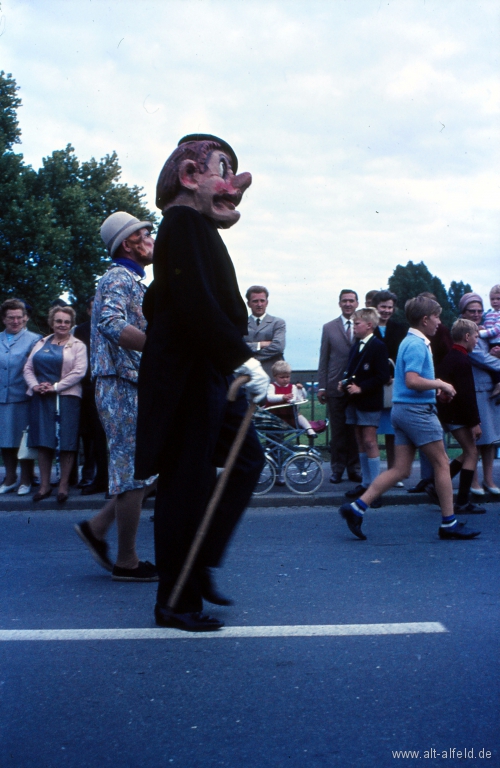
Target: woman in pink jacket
{"type": "Point", "coordinates": [53, 373]}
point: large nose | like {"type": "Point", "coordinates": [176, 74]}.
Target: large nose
{"type": "Point", "coordinates": [242, 181]}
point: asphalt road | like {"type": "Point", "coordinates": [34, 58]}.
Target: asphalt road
{"type": "Point", "coordinates": [253, 702]}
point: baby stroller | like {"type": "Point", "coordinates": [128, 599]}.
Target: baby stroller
{"type": "Point", "coordinates": [299, 467]}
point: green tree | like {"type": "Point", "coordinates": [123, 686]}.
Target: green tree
{"type": "Point", "coordinates": [50, 220]}
{"type": "Point", "coordinates": [455, 293]}
{"type": "Point", "coordinates": [407, 282]}
{"type": "Point", "coordinates": [83, 195]}
{"type": "Point", "coordinates": [30, 243]}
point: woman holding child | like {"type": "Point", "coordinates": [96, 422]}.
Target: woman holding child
{"type": "Point", "coordinates": [485, 366]}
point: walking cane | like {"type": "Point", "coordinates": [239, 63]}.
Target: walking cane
{"type": "Point", "coordinates": [217, 494]}
{"type": "Point", "coordinates": [58, 438]}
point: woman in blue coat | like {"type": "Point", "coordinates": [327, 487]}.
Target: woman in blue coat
{"type": "Point", "coordinates": [16, 343]}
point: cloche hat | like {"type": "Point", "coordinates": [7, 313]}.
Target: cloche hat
{"type": "Point", "coordinates": [118, 227]}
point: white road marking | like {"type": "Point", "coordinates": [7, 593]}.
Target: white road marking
{"type": "Point", "coordinates": [314, 630]}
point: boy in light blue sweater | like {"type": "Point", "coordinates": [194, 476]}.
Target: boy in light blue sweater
{"type": "Point", "coordinates": [415, 421]}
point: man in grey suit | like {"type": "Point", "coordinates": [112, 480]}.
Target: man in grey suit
{"type": "Point", "coordinates": [266, 334]}
{"type": "Point", "coordinates": [336, 341]}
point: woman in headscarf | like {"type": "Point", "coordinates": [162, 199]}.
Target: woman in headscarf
{"type": "Point", "coordinates": [485, 361]}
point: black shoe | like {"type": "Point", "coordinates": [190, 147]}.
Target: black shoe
{"type": "Point", "coordinates": [98, 549]}
{"type": "Point", "coordinates": [83, 483]}
{"type": "Point", "coordinates": [91, 488]}
{"type": "Point", "coordinates": [353, 521]}
{"type": "Point", "coordinates": [458, 531]}
{"type": "Point", "coordinates": [62, 498]}
{"type": "Point", "coordinates": [468, 509]}
{"type": "Point", "coordinates": [355, 493]}
{"type": "Point", "coordinates": [431, 493]}
{"type": "Point", "coordinates": [336, 477]}
{"type": "Point", "coordinates": [145, 571]}
{"type": "Point", "coordinates": [189, 622]}
{"type": "Point", "coordinates": [41, 496]}
{"type": "Point", "coordinates": [354, 477]}
{"type": "Point", "coordinates": [209, 590]}
{"type": "Point", "coordinates": [420, 486]}
{"type": "Point", "coordinates": [377, 503]}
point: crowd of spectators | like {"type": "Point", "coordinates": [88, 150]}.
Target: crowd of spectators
{"type": "Point", "coordinates": [47, 392]}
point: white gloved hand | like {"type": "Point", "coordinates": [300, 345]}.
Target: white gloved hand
{"type": "Point", "coordinates": [259, 380]}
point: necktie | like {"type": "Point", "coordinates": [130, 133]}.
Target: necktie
{"type": "Point", "coordinates": [348, 331]}
{"type": "Point", "coordinates": [258, 321]}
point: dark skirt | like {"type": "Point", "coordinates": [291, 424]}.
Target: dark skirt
{"type": "Point", "coordinates": [42, 431]}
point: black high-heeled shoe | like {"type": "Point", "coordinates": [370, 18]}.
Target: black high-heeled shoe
{"type": "Point", "coordinates": [41, 496]}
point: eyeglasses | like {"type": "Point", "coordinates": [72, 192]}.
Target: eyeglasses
{"type": "Point", "coordinates": [140, 238]}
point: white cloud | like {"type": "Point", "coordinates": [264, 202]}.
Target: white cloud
{"type": "Point", "coordinates": [338, 109]}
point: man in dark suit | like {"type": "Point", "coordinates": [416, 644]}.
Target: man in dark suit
{"type": "Point", "coordinates": [196, 324]}
{"type": "Point", "coordinates": [266, 334]}
{"type": "Point", "coordinates": [336, 342]}
{"type": "Point", "coordinates": [95, 450]}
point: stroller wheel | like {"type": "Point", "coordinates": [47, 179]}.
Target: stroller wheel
{"type": "Point", "coordinates": [266, 479]}
{"type": "Point", "coordinates": [303, 473]}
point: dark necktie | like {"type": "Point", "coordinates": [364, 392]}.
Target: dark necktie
{"type": "Point", "coordinates": [348, 331]}
{"type": "Point", "coordinates": [258, 321]}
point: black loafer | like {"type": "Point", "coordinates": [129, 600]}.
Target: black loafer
{"type": "Point", "coordinates": [209, 591]}
{"type": "Point", "coordinates": [98, 548]}
{"type": "Point", "coordinates": [336, 477]}
{"type": "Point", "coordinates": [420, 486]}
{"type": "Point", "coordinates": [145, 571]}
{"type": "Point", "coordinates": [353, 521]}
{"type": "Point", "coordinates": [354, 477]}
{"type": "Point", "coordinates": [355, 493]}
{"type": "Point", "coordinates": [458, 531]}
{"type": "Point", "coordinates": [189, 622]}
{"type": "Point", "coordinates": [89, 490]}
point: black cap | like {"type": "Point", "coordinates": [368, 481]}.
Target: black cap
{"type": "Point", "coordinates": [209, 137]}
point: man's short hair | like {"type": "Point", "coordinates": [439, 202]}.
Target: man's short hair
{"type": "Point", "coordinates": [369, 298]}
{"type": "Point", "coordinates": [256, 289]}
{"type": "Point", "coordinates": [368, 314]}
{"type": "Point", "coordinates": [382, 296]}
{"type": "Point", "coordinates": [281, 366]}
{"type": "Point", "coordinates": [168, 185]}
{"type": "Point", "coordinates": [347, 290]}
{"type": "Point", "coordinates": [10, 304]}
{"type": "Point", "coordinates": [419, 307]}
{"type": "Point", "coordinates": [461, 327]}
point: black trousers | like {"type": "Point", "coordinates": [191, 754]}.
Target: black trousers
{"type": "Point", "coordinates": [186, 481]}
{"type": "Point", "coordinates": [95, 449]}
{"type": "Point", "coordinates": [343, 446]}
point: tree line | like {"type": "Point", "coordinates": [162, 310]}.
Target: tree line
{"type": "Point", "coordinates": [50, 221]}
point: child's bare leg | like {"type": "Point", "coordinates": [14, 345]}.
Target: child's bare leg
{"type": "Point", "coordinates": [403, 460]}
{"type": "Point", "coordinates": [488, 456]}
{"type": "Point", "coordinates": [438, 458]}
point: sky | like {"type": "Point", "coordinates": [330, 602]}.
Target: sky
{"type": "Point", "coordinates": [371, 128]}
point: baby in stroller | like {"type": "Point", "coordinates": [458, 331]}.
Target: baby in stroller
{"type": "Point", "coordinates": [282, 395]}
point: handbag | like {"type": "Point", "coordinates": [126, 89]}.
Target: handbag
{"type": "Point", "coordinates": [389, 388]}
{"type": "Point", "coordinates": [24, 452]}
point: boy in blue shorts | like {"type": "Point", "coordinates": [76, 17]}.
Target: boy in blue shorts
{"type": "Point", "coordinates": [367, 372]}
{"type": "Point", "coordinates": [415, 421]}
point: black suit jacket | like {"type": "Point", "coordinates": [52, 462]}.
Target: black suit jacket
{"type": "Point", "coordinates": [396, 331]}
{"type": "Point", "coordinates": [371, 370]}
{"type": "Point", "coordinates": [196, 323]}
